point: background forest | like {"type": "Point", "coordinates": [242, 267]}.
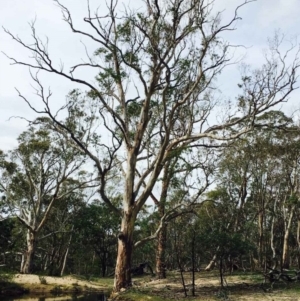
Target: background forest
{"type": "Point", "coordinates": [248, 211]}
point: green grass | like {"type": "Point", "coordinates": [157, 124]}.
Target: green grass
{"type": "Point", "coordinates": [107, 282]}
{"type": "Point", "coordinates": [142, 295]}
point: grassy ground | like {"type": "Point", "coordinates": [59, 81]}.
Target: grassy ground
{"type": "Point", "coordinates": [239, 287]}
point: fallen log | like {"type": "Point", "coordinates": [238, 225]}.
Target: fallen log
{"type": "Point", "coordinates": [275, 276]}
{"type": "Point", "coordinates": [139, 270]}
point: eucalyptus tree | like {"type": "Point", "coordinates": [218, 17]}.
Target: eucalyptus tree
{"type": "Point", "coordinates": [156, 72]}
{"type": "Point", "coordinates": [274, 188]}
{"type": "Point", "coordinates": [41, 171]}
{"type": "Point", "coordinates": [55, 239]}
{"type": "Point", "coordinates": [260, 175]}
{"type": "Point", "coordinates": [287, 149]}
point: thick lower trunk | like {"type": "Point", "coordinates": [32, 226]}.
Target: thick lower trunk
{"type": "Point", "coordinates": [162, 236]}
{"type": "Point", "coordinates": [27, 264]}
{"type": "Point", "coordinates": [160, 253]}
{"type": "Point", "coordinates": [125, 246]}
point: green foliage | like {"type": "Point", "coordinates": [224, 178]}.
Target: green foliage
{"type": "Point", "coordinates": [293, 199]}
{"type": "Point", "coordinates": [97, 227]}
{"type": "Point", "coordinates": [43, 280]}
{"type": "Point", "coordinates": [76, 288]}
{"type": "Point", "coordinates": [134, 109]}
{"type": "Point", "coordinates": [108, 77]}
{"type": "Point", "coordinates": [5, 278]}
{"type": "Point", "coordinates": [222, 294]}
{"type": "Point", "coordinates": [10, 240]}
{"type": "Point", "coordinates": [57, 290]}
{"type": "Point", "coordinates": [124, 31]}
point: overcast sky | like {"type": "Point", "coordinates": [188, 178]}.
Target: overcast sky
{"type": "Point", "coordinates": [259, 21]}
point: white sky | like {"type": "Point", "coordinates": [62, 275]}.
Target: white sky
{"type": "Point", "coordinates": [259, 21]}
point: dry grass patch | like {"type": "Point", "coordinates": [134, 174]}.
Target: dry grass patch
{"type": "Point", "coordinates": [58, 285]}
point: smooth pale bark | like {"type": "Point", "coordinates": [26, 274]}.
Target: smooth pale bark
{"type": "Point", "coordinates": [64, 262]}
{"type": "Point", "coordinates": [272, 239]}
{"type": "Point", "coordinates": [27, 267]}
{"type": "Point", "coordinates": [125, 238]}
{"type": "Point", "coordinates": [211, 263]}
{"type": "Point", "coordinates": [272, 234]}
{"type": "Point", "coordinates": [29, 219]}
{"type": "Point", "coordinates": [45, 265]}
{"type": "Point", "coordinates": [285, 249]}
{"type": "Point", "coordinates": [66, 254]}
{"type": "Point", "coordinates": [274, 255]}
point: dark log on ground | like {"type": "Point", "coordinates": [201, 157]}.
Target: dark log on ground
{"type": "Point", "coordinates": [139, 270]}
{"type": "Point", "coordinates": [275, 276]}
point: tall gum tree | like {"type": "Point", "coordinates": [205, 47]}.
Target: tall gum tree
{"type": "Point", "coordinates": [261, 171]}
{"type": "Point", "coordinates": [156, 67]}
{"type": "Point", "coordinates": [40, 172]}
{"type": "Point", "coordinates": [288, 152]}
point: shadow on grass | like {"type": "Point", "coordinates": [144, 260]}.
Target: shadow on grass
{"type": "Point", "coordinates": [9, 288]}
